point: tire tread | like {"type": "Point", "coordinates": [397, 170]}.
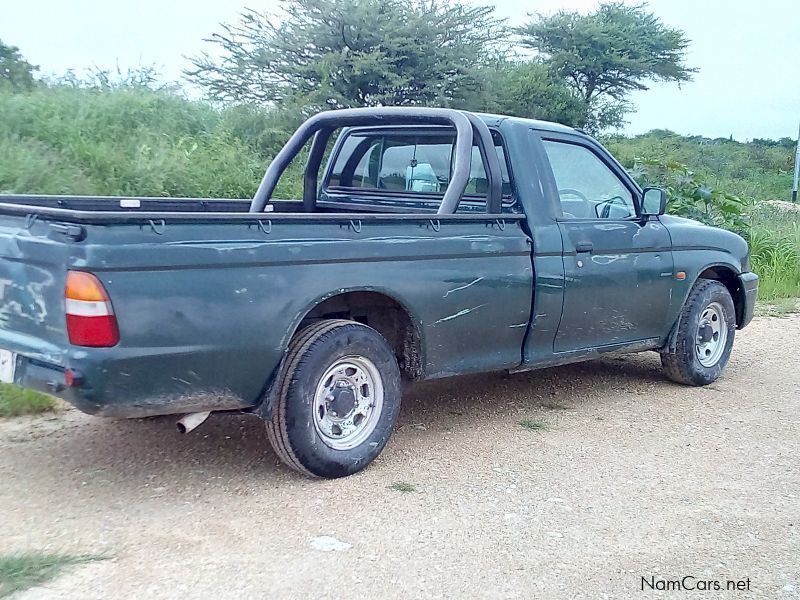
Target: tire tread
{"type": "Point", "coordinates": [277, 431]}
{"type": "Point", "coordinates": [677, 365]}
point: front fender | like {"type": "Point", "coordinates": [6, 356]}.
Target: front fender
{"type": "Point", "coordinates": [694, 263]}
{"type": "Point", "coordinates": [748, 284]}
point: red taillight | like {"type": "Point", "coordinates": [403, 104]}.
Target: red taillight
{"type": "Point", "coordinates": [90, 316]}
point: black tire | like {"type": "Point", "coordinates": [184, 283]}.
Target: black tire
{"type": "Point", "coordinates": [683, 365]}
{"type": "Point", "coordinates": [292, 429]}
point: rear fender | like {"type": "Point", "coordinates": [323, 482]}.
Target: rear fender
{"type": "Point", "coordinates": [271, 390]}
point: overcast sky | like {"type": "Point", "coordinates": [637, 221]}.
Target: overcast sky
{"type": "Point", "coordinates": [748, 52]}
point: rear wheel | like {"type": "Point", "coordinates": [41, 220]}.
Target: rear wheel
{"type": "Point", "coordinates": [338, 401]}
{"type": "Point", "coordinates": [706, 329]}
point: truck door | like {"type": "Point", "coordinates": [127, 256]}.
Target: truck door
{"type": "Point", "coordinates": [618, 269]}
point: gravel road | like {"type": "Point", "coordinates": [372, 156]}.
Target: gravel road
{"type": "Point", "coordinates": [634, 477]}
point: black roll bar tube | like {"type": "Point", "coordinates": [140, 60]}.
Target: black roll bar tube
{"type": "Point", "coordinates": [312, 168]}
{"type": "Point", "coordinates": [352, 117]}
{"type": "Point", "coordinates": [494, 196]}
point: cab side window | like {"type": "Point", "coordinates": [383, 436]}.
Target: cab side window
{"type": "Point", "coordinates": [587, 187]}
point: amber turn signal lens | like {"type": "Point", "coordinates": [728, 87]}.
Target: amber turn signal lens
{"type": "Point", "coordinates": [84, 286]}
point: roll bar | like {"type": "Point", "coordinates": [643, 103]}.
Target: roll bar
{"type": "Point", "coordinates": [322, 125]}
{"type": "Point", "coordinates": [491, 162]}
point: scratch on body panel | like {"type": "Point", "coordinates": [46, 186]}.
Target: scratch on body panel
{"type": "Point", "coordinates": [460, 313]}
{"type": "Point", "coordinates": [609, 226]}
{"type": "Point", "coordinates": [463, 287]}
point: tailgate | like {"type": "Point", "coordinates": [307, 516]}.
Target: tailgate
{"type": "Point", "coordinates": [32, 275]}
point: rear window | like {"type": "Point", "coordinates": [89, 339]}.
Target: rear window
{"type": "Point", "coordinates": [410, 163]}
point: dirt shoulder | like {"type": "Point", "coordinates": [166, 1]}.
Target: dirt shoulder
{"type": "Point", "coordinates": [634, 477]}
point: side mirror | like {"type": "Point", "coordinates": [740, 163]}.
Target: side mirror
{"type": "Point", "coordinates": [654, 202]}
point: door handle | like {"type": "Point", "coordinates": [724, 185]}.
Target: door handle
{"type": "Point", "coordinates": [584, 247]}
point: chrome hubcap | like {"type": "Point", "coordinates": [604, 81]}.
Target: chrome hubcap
{"type": "Point", "coordinates": [348, 402]}
{"type": "Point", "coordinates": [712, 333]}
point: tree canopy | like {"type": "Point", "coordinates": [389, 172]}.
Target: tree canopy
{"type": "Point", "coordinates": [606, 54]}
{"type": "Point", "coordinates": [317, 54]}
{"type": "Point", "coordinates": [344, 53]}
{"type": "Point", "coordinates": [15, 71]}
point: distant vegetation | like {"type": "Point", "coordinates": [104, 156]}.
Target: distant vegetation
{"type": "Point", "coordinates": [132, 140]}
{"type": "Point", "coordinates": [728, 184]}
{"type": "Point", "coordinates": [81, 138]}
{"type": "Point", "coordinates": [761, 169]}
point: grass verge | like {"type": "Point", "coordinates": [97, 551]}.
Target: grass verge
{"type": "Point", "coordinates": [778, 308]}
{"type": "Point", "coordinates": [15, 401]}
{"type": "Point", "coordinates": [775, 251]}
{"type": "Point", "coordinates": [28, 569]}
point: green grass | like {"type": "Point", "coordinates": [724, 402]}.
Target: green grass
{"type": "Point", "coordinates": [534, 425]}
{"type": "Point", "coordinates": [775, 251]}
{"type": "Point", "coordinates": [16, 401]}
{"type": "Point", "coordinates": [25, 570]}
{"type": "Point", "coordinates": [403, 487]}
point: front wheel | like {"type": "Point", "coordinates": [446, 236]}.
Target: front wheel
{"type": "Point", "coordinates": [706, 329]}
{"type": "Point", "coordinates": [338, 399]}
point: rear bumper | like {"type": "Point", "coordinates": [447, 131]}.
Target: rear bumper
{"type": "Point", "coordinates": [51, 379]}
{"type": "Point", "coordinates": [123, 382]}
{"type": "Point", "coordinates": [748, 284]}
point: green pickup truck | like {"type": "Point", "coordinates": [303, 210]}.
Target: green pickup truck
{"type": "Point", "coordinates": [436, 243]}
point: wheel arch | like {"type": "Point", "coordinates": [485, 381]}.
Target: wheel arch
{"type": "Point", "coordinates": [391, 317]}
{"type": "Point", "coordinates": [729, 277]}
{"type": "Point", "coordinates": [726, 274]}
{"type": "Point", "coordinates": [376, 308]}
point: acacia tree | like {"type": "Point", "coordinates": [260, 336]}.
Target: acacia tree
{"type": "Point", "coordinates": [345, 53]}
{"type": "Point", "coordinates": [15, 72]}
{"type": "Point", "coordinates": [606, 54]}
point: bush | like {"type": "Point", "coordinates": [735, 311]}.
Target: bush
{"type": "Point", "coordinates": [754, 171]}
{"type": "Point", "coordinates": [688, 196]}
{"type": "Point", "coordinates": [772, 232]}
{"type": "Point", "coordinates": [134, 141]}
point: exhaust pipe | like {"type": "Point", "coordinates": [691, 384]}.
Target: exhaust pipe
{"type": "Point", "coordinates": [192, 421]}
